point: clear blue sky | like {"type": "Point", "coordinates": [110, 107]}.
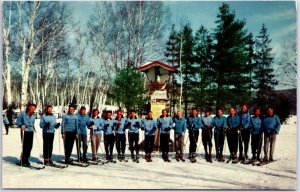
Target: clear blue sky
{"type": "Point", "coordinates": [279, 16]}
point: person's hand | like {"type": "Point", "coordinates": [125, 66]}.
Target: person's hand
{"type": "Point", "coordinates": [57, 125]}
{"type": "Point", "coordinates": [92, 123]}
{"type": "Point", "coordinates": [47, 124]}
{"type": "Point", "coordinates": [63, 136]}
{"type": "Point", "coordinates": [23, 127]}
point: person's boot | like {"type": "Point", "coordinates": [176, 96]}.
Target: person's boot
{"type": "Point", "coordinates": [181, 157]}
{"type": "Point", "coordinates": [209, 153]}
{"type": "Point", "coordinates": [271, 158]}
{"type": "Point", "coordinates": [150, 160]}
{"type": "Point", "coordinates": [167, 158]}
{"type": "Point", "coordinates": [46, 161]}
{"type": "Point", "coordinates": [177, 157]}
{"type": "Point", "coordinates": [119, 156]}
{"type": "Point", "coordinates": [266, 159]}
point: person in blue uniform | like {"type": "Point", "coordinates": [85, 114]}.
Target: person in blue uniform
{"type": "Point", "coordinates": [256, 134]}
{"type": "Point", "coordinates": [119, 124]}
{"type": "Point", "coordinates": [69, 131]}
{"type": "Point", "coordinates": [219, 123]}
{"type": "Point", "coordinates": [179, 129]}
{"type": "Point", "coordinates": [48, 124]}
{"type": "Point", "coordinates": [271, 127]}
{"type": "Point", "coordinates": [233, 123]}
{"type": "Point", "coordinates": [96, 133]}
{"type": "Point", "coordinates": [149, 127]}
{"type": "Point", "coordinates": [134, 124]}
{"type": "Point", "coordinates": [245, 133]}
{"type": "Point", "coordinates": [25, 122]}
{"type": "Point", "coordinates": [164, 124]}
{"type": "Point", "coordinates": [207, 122]}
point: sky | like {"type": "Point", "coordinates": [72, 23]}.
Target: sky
{"type": "Point", "coordinates": [278, 16]}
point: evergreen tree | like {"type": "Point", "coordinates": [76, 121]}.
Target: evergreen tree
{"type": "Point", "coordinates": [264, 78]}
{"type": "Point", "coordinates": [230, 62]}
{"type": "Point", "coordinates": [128, 89]}
{"type": "Point", "coordinates": [172, 55]}
{"type": "Point", "coordinates": [202, 96]}
{"type": "Point", "coordinates": [187, 60]}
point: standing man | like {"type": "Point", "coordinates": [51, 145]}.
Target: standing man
{"type": "Point", "coordinates": [96, 133]}
{"type": "Point", "coordinates": [149, 126]}
{"type": "Point", "coordinates": [245, 132]}
{"type": "Point", "coordinates": [164, 123]}
{"type": "Point", "coordinates": [194, 125]}
{"type": "Point", "coordinates": [271, 127]}
{"type": "Point", "coordinates": [233, 123]}
{"type": "Point", "coordinates": [219, 122]}
{"type": "Point", "coordinates": [48, 125]}
{"type": "Point", "coordinates": [26, 121]}
{"type": "Point", "coordinates": [207, 121]}
{"type": "Point", "coordinates": [70, 131]}
{"type": "Point", "coordinates": [10, 115]}
{"type": "Point", "coordinates": [256, 134]}
{"type": "Point", "coordinates": [180, 128]}
{"type": "Point", "coordinates": [119, 124]}
{"type": "Point", "coordinates": [133, 124]}
{"type": "Point", "coordinates": [109, 137]}
{"type": "Point", "coordinates": [83, 122]}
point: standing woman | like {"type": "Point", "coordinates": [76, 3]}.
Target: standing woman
{"type": "Point", "coordinates": [245, 132]}
{"type": "Point", "coordinates": [271, 127]}
{"type": "Point", "coordinates": [164, 123]}
{"type": "Point", "coordinates": [256, 134]}
{"type": "Point", "coordinates": [219, 122]}
{"type": "Point", "coordinates": [233, 123]}
{"type": "Point", "coordinates": [207, 134]}
{"type": "Point", "coordinates": [194, 125]}
{"type": "Point", "coordinates": [149, 126]}
{"type": "Point", "coordinates": [69, 131]}
{"type": "Point", "coordinates": [180, 128]}
{"type": "Point", "coordinates": [119, 124]}
{"type": "Point", "coordinates": [109, 136]}
{"type": "Point", "coordinates": [96, 133]}
{"type": "Point", "coordinates": [48, 124]}
{"type": "Point", "coordinates": [26, 122]}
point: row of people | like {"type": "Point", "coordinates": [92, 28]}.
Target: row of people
{"type": "Point", "coordinates": [74, 127]}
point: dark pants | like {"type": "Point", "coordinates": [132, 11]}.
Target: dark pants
{"type": "Point", "coordinates": [179, 144]}
{"type": "Point", "coordinates": [69, 142]}
{"type": "Point", "coordinates": [193, 137]}
{"type": "Point", "coordinates": [82, 141]}
{"type": "Point", "coordinates": [256, 143]}
{"type": "Point", "coordinates": [244, 140]}
{"type": "Point", "coordinates": [109, 141]}
{"type": "Point", "coordinates": [6, 128]}
{"type": "Point", "coordinates": [121, 143]}
{"type": "Point", "coordinates": [206, 141]}
{"type": "Point", "coordinates": [164, 142]}
{"type": "Point", "coordinates": [232, 140]}
{"type": "Point", "coordinates": [134, 143]}
{"type": "Point", "coordinates": [219, 142]}
{"type": "Point", "coordinates": [48, 145]}
{"type": "Point", "coordinates": [27, 145]}
{"type": "Point", "coordinates": [269, 140]}
{"type": "Point", "coordinates": [149, 143]}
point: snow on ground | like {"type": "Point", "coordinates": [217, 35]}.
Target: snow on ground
{"type": "Point", "coordinates": [155, 175]}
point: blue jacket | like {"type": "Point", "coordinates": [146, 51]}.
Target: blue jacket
{"type": "Point", "coordinates": [98, 125]}
{"type": "Point", "coordinates": [83, 122]}
{"type": "Point", "coordinates": [219, 122]}
{"type": "Point", "coordinates": [194, 122]}
{"type": "Point", "coordinates": [271, 124]}
{"type": "Point", "coordinates": [69, 123]}
{"type": "Point", "coordinates": [233, 121]}
{"type": "Point", "coordinates": [48, 118]}
{"type": "Point", "coordinates": [5, 120]}
{"type": "Point", "coordinates": [108, 126]}
{"type": "Point", "coordinates": [207, 121]}
{"type": "Point", "coordinates": [180, 125]}
{"type": "Point", "coordinates": [133, 125]}
{"type": "Point", "coordinates": [149, 126]}
{"type": "Point", "coordinates": [28, 121]}
{"type": "Point", "coordinates": [120, 125]}
{"type": "Point", "coordinates": [245, 120]}
{"type": "Point", "coordinates": [256, 125]}
{"type": "Point", "coordinates": [164, 123]}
